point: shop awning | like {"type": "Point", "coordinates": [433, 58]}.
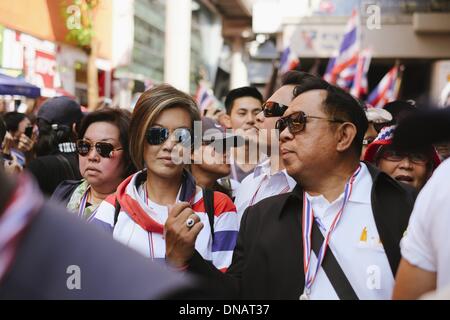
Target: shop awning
{"type": "Point", "coordinates": [17, 86]}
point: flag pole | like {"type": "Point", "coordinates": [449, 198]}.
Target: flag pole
{"type": "Point", "coordinates": [398, 83]}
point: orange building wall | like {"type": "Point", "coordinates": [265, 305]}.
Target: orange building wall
{"type": "Point", "coordinates": [43, 19]}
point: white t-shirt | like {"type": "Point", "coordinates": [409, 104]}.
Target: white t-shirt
{"type": "Point", "coordinates": [262, 184]}
{"type": "Point", "coordinates": [426, 243]}
{"type": "Point", "coordinates": [355, 243]}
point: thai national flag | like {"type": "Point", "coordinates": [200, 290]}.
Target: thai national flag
{"type": "Point", "coordinates": [204, 97]}
{"type": "Point", "coordinates": [288, 60]}
{"type": "Point", "coordinates": [360, 85]}
{"type": "Point", "coordinates": [348, 51]}
{"type": "Point", "coordinates": [385, 91]}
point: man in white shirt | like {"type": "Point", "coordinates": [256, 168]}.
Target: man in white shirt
{"type": "Point", "coordinates": [345, 214]}
{"type": "Point", "coordinates": [269, 177]}
{"type": "Point", "coordinates": [425, 247]}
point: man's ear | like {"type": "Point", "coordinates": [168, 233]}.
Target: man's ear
{"type": "Point", "coordinates": [226, 121]}
{"type": "Point", "coordinates": [345, 135]}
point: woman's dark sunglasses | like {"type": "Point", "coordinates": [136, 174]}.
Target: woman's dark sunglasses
{"type": "Point", "coordinates": [104, 149]}
{"type": "Point", "coordinates": [296, 122]}
{"type": "Point", "coordinates": [273, 109]}
{"type": "Point", "coordinates": [158, 135]}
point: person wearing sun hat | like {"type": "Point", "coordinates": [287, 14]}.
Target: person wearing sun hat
{"type": "Point", "coordinates": [378, 118]}
{"type": "Point", "coordinates": [413, 166]}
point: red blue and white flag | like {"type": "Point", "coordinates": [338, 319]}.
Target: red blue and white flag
{"type": "Point", "coordinates": [348, 51]}
{"type": "Point", "coordinates": [288, 60]}
{"type": "Point", "coordinates": [204, 97]}
{"type": "Point", "coordinates": [386, 90]}
{"type": "Point", "coordinates": [360, 85]}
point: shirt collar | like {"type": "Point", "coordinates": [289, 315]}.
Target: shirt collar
{"type": "Point", "coordinates": [362, 186]}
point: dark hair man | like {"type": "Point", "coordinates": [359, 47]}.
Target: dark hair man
{"type": "Point", "coordinates": [336, 235]}
{"type": "Point", "coordinates": [242, 105]}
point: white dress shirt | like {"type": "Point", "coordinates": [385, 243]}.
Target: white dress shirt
{"type": "Point", "coordinates": [355, 244]}
{"type": "Point", "coordinates": [261, 184]}
{"type": "Point", "coordinates": [426, 244]}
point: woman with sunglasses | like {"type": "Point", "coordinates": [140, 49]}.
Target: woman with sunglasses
{"type": "Point", "coordinates": [104, 162]}
{"type": "Point", "coordinates": [161, 140]}
{"type": "Point", "coordinates": [412, 167]}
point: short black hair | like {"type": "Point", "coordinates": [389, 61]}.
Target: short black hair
{"type": "Point", "coordinates": [338, 104]}
{"type": "Point", "coordinates": [239, 93]}
{"type": "Point", "coordinates": [294, 77]}
{"type": "Point", "coordinates": [12, 120]}
{"type": "Point", "coordinates": [121, 119]}
{"type": "Point", "coordinates": [399, 110]}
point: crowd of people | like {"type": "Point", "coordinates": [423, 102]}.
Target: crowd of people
{"type": "Point", "coordinates": [310, 194]}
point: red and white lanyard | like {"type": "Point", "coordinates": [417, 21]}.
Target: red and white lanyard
{"type": "Point", "coordinates": [252, 200]}
{"type": "Point", "coordinates": [18, 214]}
{"type": "Point", "coordinates": [307, 223]}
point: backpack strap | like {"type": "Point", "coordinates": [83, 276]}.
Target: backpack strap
{"type": "Point", "coordinates": [208, 198]}
{"type": "Point", "coordinates": [116, 211]}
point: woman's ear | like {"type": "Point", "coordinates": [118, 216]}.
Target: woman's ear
{"type": "Point", "coordinates": [345, 135]}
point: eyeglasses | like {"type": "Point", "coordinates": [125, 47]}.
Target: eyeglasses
{"type": "Point", "coordinates": [273, 109]}
{"type": "Point", "coordinates": [158, 135]}
{"type": "Point", "coordinates": [104, 149]}
{"type": "Point", "coordinates": [296, 122]}
{"type": "Point", "coordinates": [394, 156]}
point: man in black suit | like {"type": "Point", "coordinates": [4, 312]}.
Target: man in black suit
{"type": "Point", "coordinates": [335, 236]}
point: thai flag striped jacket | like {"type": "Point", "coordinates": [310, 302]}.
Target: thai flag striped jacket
{"type": "Point", "coordinates": [140, 225]}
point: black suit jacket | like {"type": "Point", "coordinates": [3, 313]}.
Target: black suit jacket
{"type": "Point", "coordinates": [268, 260]}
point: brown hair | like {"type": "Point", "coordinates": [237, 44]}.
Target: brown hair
{"type": "Point", "coordinates": [149, 106]}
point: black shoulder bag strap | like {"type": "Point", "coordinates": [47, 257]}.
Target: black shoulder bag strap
{"type": "Point", "coordinates": [208, 198]}
{"type": "Point", "coordinates": [333, 270]}
{"type": "Point", "coordinates": [116, 211]}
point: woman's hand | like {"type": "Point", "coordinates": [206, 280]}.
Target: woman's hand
{"type": "Point", "coordinates": [25, 144]}
{"type": "Point", "coordinates": [12, 166]}
{"type": "Point", "coordinates": [180, 235]}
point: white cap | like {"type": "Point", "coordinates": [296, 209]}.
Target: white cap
{"type": "Point", "coordinates": [377, 115]}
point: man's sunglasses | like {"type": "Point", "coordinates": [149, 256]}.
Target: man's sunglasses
{"type": "Point", "coordinates": [296, 122]}
{"type": "Point", "coordinates": [104, 149]}
{"type": "Point", "coordinates": [158, 135]}
{"type": "Point", "coordinates": [273, 109]}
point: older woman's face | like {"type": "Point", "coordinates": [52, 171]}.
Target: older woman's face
{"type": "Point", "coordinates": [159, 158]}
{"type": "Point", "coordinates": [103, 172]}
{"type": "Point", "coordinates": [410, 168]}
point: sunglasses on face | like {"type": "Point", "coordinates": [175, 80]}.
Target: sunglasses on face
{"type": "Point", "coordinates": [394, 156]}
{"type": "Point", "coordinates": [104, 149]}
{"type": "Point", "coordinates": [296, 122]}
{"type": "Point", "coordinates": [158, 135]}
{"type": "Point", "coordinates": [273, 109]}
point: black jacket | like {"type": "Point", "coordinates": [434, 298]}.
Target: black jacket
{"type": "Point", "coordinates": [268, 260]}
{"type": "Point", "coordinates": [56, 240]}
{"type": "Point", "coordinates": [51, 170]}
{"type": "Point", "coordinates": [64, 191]}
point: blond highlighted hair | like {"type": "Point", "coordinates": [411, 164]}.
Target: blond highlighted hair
{"type": "Point", "coordinates": [148, 108]}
